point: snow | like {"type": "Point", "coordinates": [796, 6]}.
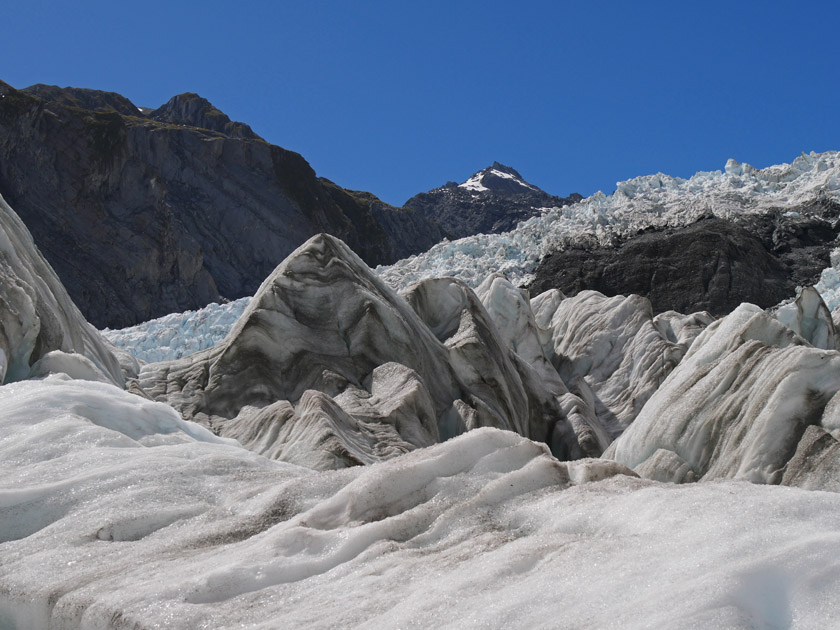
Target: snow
{"type": "Point", "coordinates": [475, 182]}
{"type": "Point", "coordinates": [114, 513]}
{"type": "Point", "coordinates": [511, 176]}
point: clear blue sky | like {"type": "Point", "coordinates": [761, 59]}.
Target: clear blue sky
{"type": "Point", "coordinates": [397, 98]}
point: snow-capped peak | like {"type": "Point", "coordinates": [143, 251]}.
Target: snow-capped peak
{"type": "Point", "coordinates": [497, 178]}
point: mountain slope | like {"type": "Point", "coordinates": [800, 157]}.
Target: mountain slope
{"type": "Point", "coordinates": [145, 214]}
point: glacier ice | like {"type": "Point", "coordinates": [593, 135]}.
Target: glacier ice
{"type": "Point", "coordinates": [117, 512]}
{"type": "Point", "coordinates": [613, 351]}
{"type": "Point", "coordinates": [738, 404]}
{"type": "Point", "coordinates": [809, 317]}
{"type": "Point", "coordinates": [178, 334]}
{"type": "Point", "coordinates": [329, 366]}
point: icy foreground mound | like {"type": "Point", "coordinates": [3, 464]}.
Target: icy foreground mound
{"type": "Point", "coordinates": [167, 526]}
{"type": "Point", "coordinates": [653, 200]}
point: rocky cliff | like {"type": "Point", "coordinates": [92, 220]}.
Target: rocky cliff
{"type": "Point", "coordinates": [143, 212]}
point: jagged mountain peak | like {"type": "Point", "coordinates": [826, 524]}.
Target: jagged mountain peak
{"type": "Point", "coordinates": [194, 110]}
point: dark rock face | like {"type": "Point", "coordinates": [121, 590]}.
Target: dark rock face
{"type": "Point", "coordinates": [142, 215]}
{"type": "Point", "coordinates": [712, 265]}
{"type": "Point", "coordinates": [466, 209]}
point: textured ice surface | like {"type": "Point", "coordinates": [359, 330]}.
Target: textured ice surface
{"type": "Point", "coordinates": [613, 351]}
{"type": "Point", "coordinates": [809, 317]}
{"type": "Point", "coordinates": [829, 284]}
{"type": "Point", "coordinates": [115, 514]}
{"type": "Point", "coordinates": [330, 367]}
{"type": "Point", "coordinates": [652, 200]}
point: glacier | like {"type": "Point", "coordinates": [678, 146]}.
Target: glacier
{"type": "Point", "coordinates": [39, 322]}
{"type": "Point", "coordinates": [342, 450]}
{"type": "Point", "coordinates": [739, 403]}
{"type": "Point", "coordinates": [178, 334]}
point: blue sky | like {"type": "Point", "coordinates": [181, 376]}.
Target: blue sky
{"type": "Point", "coordinates": [397, 98]}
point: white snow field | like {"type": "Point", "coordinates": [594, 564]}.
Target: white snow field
{"type": "Point", "coordinates": [474, 183]}
{"type": "Point", "coordinates": [117, 514]}
{"type": "Point", "coordinates": [653, 200]}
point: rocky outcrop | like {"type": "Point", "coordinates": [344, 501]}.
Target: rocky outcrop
{"type": "Point", "coordinates": [142, 215]}
{"type": "Point", "coordinates": [494, 199]}
{"type": "Point", "coordinates": [83, 98]}
{"type": "Point", "coordinates": [712, 265]}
